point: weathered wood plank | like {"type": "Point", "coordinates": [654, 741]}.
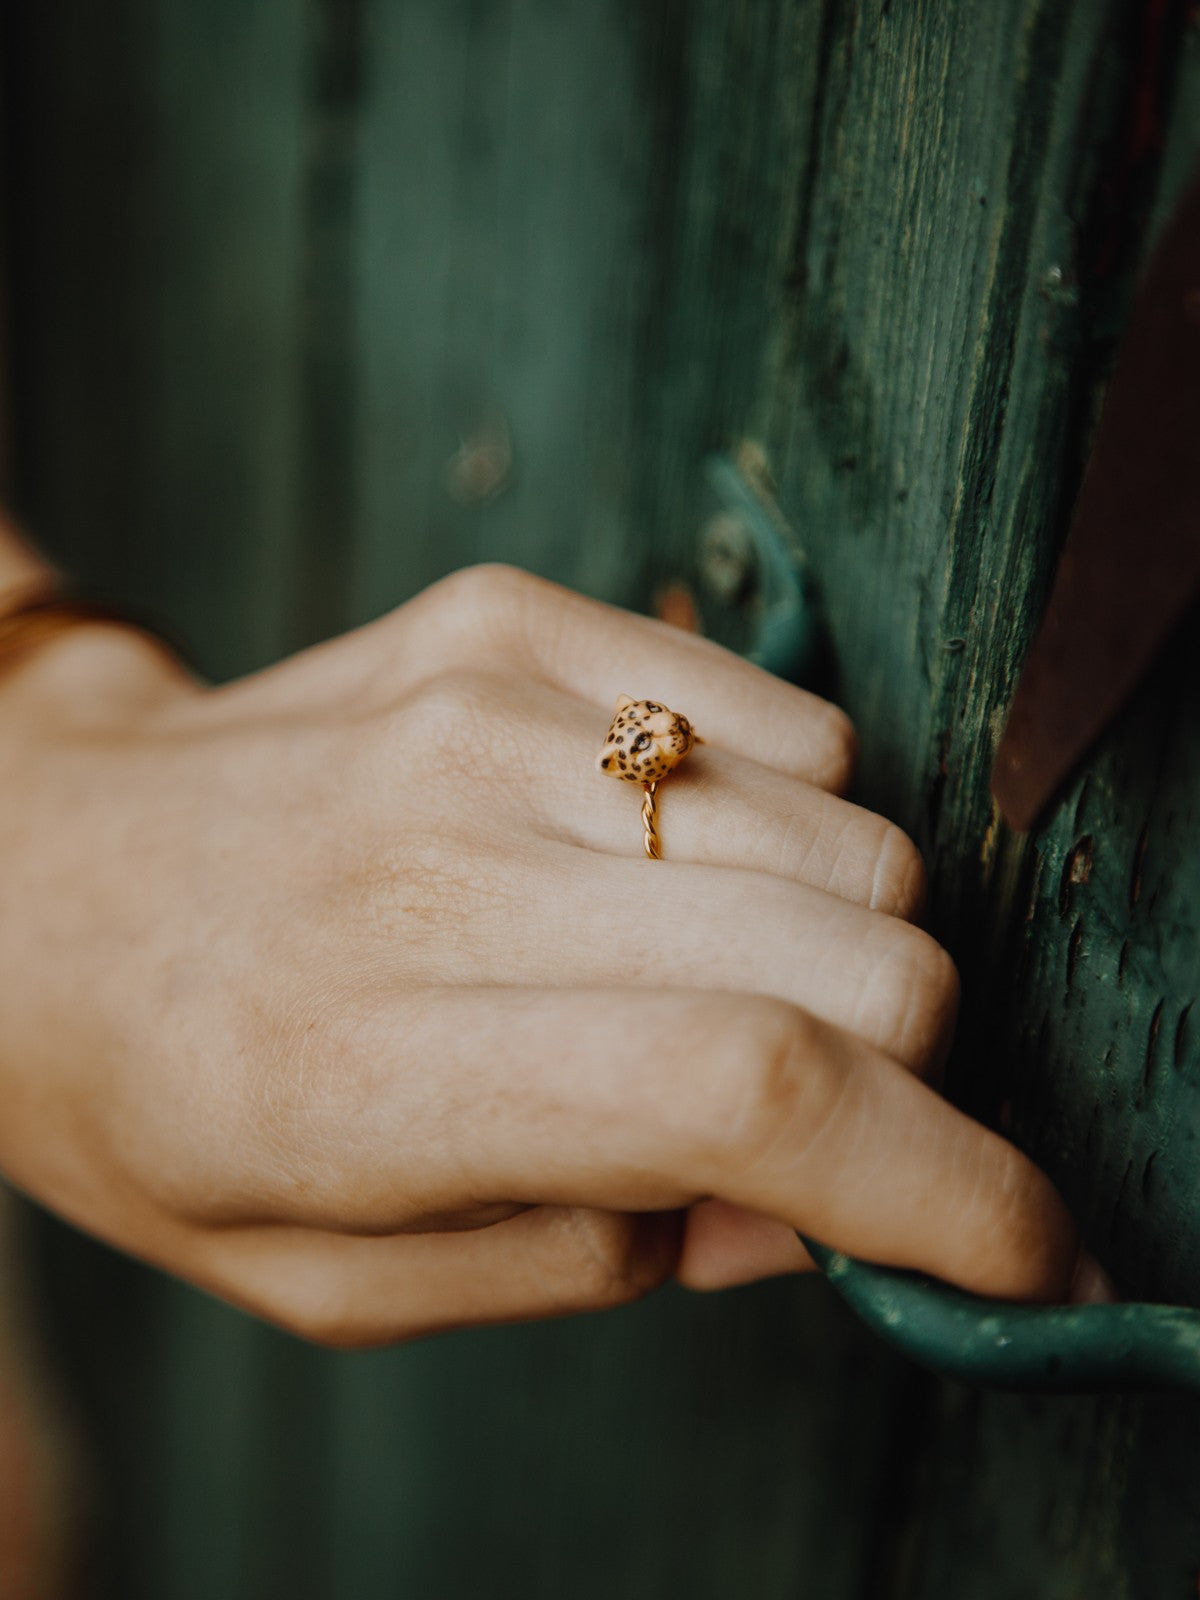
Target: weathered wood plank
{"type": "Point", "coordinates": [503, 232]}
{"type": "Point", "coordinates": [226, 321]}
{"type": "Point", "coordinates": [931, 419]}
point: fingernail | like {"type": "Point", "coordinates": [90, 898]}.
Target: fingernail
{"type": "Point", "coordinates": [1091, 1285]}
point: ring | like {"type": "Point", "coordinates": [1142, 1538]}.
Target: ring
{"type": "Point", "coordinates": [643, 743]}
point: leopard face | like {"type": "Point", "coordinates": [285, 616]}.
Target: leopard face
{"type": "Point", "coordinates": [645, 741]}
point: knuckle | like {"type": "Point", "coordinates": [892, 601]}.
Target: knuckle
{"type": "Point", "coordinates": [837, 751]}
{"type": "Point", "coordinates": [314, 1307]}
{"type": "Point", "coordinates": [453, 724]}
{"type": "Point", "coordinates": [477, 613]}
{"type": "Point", "coordinates": [917, 1015]}
{"type": "Point", "coordinates": [298, 1287]}
{"type": "Point", "coordinates": [1016, 1189]}
{"type": "Point", "coordinates": [618, 1258]}
{"type": "Point", "coordinates": [776, 1045]}
{"type": "Point", "coordinates": [1031, 1241]}
{"type": "Point", "coordinates": [782, 1083]}
{"type": "Point", "coordinates": [488, 595]}
{"type": "Point", "coordinates": [452, 704]}
{"type": "Point", "coordinates": [319, 1321]}
{"type": "Point", "coordinates": [448, 722]}
{"type": "Point", "coordinates": [898, 881]}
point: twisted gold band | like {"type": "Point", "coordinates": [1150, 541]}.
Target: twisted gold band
{"type": "Point", "coordinates": [650, 822]}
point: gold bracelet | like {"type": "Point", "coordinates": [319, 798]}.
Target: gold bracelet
{"type": "Point", "coordinates": [45, 612]}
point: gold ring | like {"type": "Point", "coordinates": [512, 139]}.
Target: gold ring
{"type": "Point", "coordinates": [643, 743]}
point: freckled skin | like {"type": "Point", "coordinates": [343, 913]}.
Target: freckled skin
{"type": "Point", "coordinates": [645, 741]}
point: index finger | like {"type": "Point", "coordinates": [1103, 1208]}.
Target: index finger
{"type": "Point", "coordinates": [636, 1100]}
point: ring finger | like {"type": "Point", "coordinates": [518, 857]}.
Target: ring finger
{"type": "Point", "coordinates": [720, 807]}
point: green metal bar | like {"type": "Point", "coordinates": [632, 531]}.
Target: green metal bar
{"type": "Point", "coordinates": [994, 1343]}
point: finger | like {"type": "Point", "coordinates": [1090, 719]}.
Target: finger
{"type": "Point", "coordinates": [351, 1292]}
{"type": "Point", "coordinates": [889, 983]}
{"type": "Point", "coordinates": [526, 757]}
{"type": "Point", "coordinates": [498, 618]}
{"type": "Point", "coordinates": [724, 1245]}
{"type": "Point", "coordinates": [561, 918]}
{"type": "Point", "coordinates": [648, 1101]}
{"type": "Point", "coordinates": [723, 811]}
{"type": "Point", "coordinates": [718, 807]}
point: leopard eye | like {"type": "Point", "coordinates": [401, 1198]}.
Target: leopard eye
{"type": "Point", "coordinates": [642, 741]}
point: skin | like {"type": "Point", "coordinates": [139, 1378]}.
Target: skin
{"type": "Point", "coordinates": [345, 992]}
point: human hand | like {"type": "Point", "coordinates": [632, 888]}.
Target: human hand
{"type": "Point", "coordinates": [346, 992]}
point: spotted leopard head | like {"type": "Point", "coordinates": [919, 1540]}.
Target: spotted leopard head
{"type": "Point", "coordinates": [645, 741]}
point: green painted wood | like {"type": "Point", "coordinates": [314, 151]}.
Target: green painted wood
{"type": "Point", "coordinates": [960, 250]}
{"type": "Point", "coordinates": [274, 265]}
{"type": "Point", "coordinates": [505, 230]}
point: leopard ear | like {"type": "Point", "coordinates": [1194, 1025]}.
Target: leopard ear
{"type": "Point", "coordinates": [624, 701]}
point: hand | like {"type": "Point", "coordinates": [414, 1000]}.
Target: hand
{"type": "Point", "coordinates": [346, 992]}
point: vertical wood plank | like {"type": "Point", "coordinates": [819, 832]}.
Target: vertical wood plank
{"type": "Point", "coordinates": [504, 178]}
{"type": "Point", "coordinates": [230, 106]}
